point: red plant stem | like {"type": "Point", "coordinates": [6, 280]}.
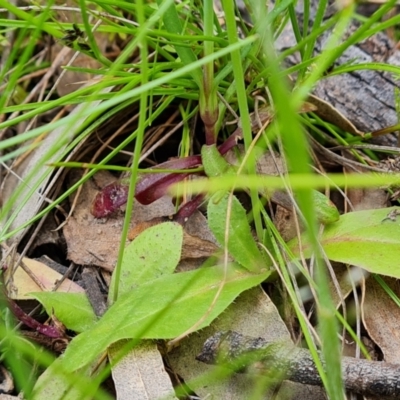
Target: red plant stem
{"type": "Point", "coordinates": [153, 186]}
{"type": "Point", "coordinates": [231, 141]}
{"type": "Point", "coordinates": [150, 180]}
{"type": "Point", "coordinates": [158, 189]}
{"type": "Point", "coordinates": [47, 330]}
{"type": "Point", "coordinates": [188, 209]}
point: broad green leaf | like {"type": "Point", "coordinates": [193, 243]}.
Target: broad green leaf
{"type": "Point", "coordinates": [161, 309]}
{"type": "Point", "coordinates": [57, 384]}
{"type": "Point", "coordinates": [72, 309]}
{"type": "Point", "coordinates": [155, 252]}
{"type": "Point", "coordinates": [368, 239]}
{"type": "Point", "coordinates": [241, 244]}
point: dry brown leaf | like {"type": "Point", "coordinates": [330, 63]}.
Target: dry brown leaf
{"type": "Point", "coordinates": [266, 164]}
{"type": "Point", "coordinates": [142, 226]}
{"type": "Point", "coordinates": [73, 80]}
{"type": "Point", "coordinates": [330, 114]}
{"type": "Point", "coordinates": [197, 225]}
{"type": "Point", "coordinates": [381, 317]}
{"type": "Point", "coordinates": [367, 199]}
{"type": "Point", "coordinates": [140, 374]}
{"type": "Point", "coordinates": [194, 247]}
{"type": "Point", "coordinates": [22, 284]}
{"type": "Point", "coordinates": [285, 222]}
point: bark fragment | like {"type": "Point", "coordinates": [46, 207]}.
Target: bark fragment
{"type": "Point", "coordinates": [292, 363]}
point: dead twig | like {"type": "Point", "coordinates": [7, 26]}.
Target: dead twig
{"type": "Point", "coordinates": [237, 351]}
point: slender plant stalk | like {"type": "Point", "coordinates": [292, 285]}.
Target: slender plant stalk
{"type": "Point", "coordinates": [208, 91]}
{"type": "Point", "coordinates": [243, 106]}
{"type": "Point", "coordinates": [138, 148]}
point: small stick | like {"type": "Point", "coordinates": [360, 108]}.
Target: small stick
{"type": "Point", "coordinates": [236, 351]}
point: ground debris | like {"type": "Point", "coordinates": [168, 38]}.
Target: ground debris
{"type": "Point", "coordinates": [296, 364]}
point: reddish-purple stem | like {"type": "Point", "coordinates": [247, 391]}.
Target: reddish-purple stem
{"type": "Point", "coordinates": [149, 189]}
{"type": "Point", "coordinates": [150, 180]}
{"type": "Point", "coordinates": [159, 189]}
{"type": "Point", "coordinates": [153, 186]}
{"type": "Point", "coordinates": [188, 209]}
{"type": "Point", "coordinates": [231, 141]}
{"type": "Point", "coordinates": [47, 330]}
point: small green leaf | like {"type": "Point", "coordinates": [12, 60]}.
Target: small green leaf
{"type": "Point", "coordinates": [326, 212]}
{"type": "Point", "coordinates": [155, 252]}
{"type": "Point", "coordinates": [72, 309]}
{"type": "Point", "coordinates": [161, 309]}
{"type": "Point", "coordinates": [213, 162]}
{"type": "Point", "coordinates": [241, 244]}
{"type": "Point", "coordinates": [368, 239]}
